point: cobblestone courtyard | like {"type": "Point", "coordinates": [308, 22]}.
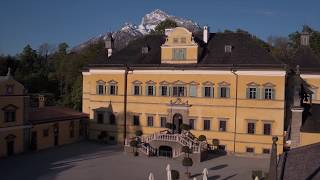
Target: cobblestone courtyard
{"type": "Point", "coordinates": [92, 161]}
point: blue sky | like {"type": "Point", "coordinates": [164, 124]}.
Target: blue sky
{"type": "Point", "coordinates": [34, 22]}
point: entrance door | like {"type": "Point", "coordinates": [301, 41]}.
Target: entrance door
{"type": "Point", "coordinates": [34, 141]}
{"type": "Point", "coordinates": [10, 148]}
{"type": "Point", "coordinates": [56, 140]}
{"type": "Point", "coordinates": [177, 121]}
{"type": "Point", "coordinates": [165, 151]}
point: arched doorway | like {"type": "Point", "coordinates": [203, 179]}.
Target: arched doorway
{"type": "Point", "coordinates": [165, 151]}
{"type": "Point", "coordinates": [10, 144]}
{"type": "Point", "coordinates": [177, 121]}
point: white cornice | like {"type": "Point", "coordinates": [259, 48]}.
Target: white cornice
{"type": "Point", "coordinates": [310, 76]}
{"type": "Point", "coordinates": [103, 71]}
{"type": "Point", "coordinates": [262, 73]}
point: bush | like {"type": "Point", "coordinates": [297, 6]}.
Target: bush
{"type": "Point", "coordinates": [202, 138]}
{"type": "Point", "coordinates": [138, 133]}
{"type": "Point", "coordinates": [185, 127]}
{"type": "Point", "coordinates": [169, 125]}
{"type": "Point", "coordinates": [187, 162]}
{"type": "Point", "coordinates": [175, 175]}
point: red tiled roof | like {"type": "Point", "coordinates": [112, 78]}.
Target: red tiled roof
{"type": "Point", "coordinates": [54, 113]}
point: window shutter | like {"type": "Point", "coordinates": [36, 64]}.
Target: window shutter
{"type": "Point", "coordinates": [147, 90]}
{"type": "Point", "coordinates": [160, 91]}
{"type": "Point", "coordinates": [140, 90]}
{"type": "Point", "coordinates": [154, 90]}
{"type": "Point", "coordinates": [212, 91]}
{"type": "Point", "coordinates": [185, 91]}
{"type": "Point", "coordinates": [203, 91]}
{"type": "Point", "coordinates": [273, 94]}
{"type": "Point", "coordinates": [227, 92]}
{"type": "Point", "coordinates": [258, 93]}
{"type": "Point", "coordinates": [248, 93]}
{"type": "Point", "coordinates": [193, 91]}
{"type": "Point", "coordinates": [97, 89]}
{"type": "Point", "coordinates": [116, 89]}
{"type": "Point", "coordinates": [219, 92]}
{"type": "Point", "coordinates": [263, 93]}
{"type": "Point", "coordinates": [132, 89]}
{"type": "Point", "coordinates": [168, 91]}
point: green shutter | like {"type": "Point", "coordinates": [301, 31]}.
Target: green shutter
{"type": "Point", "coordinates": [105, 90]}
{"type": "Point", "coordinates": [116, 87]}
{"type": "Point", "coordinates": [147, 90]}
{"type": "Point", "coordinates": [258, 93]}
{"type": "Point", "coordinates": [154, 90]}
{"type": "Point", "coordinates": [212, 91]}
{"type": "Point", "coordinates": [248, 93]}
{"type": "Point", "coordinates": [273, 94]}
{"type": "Point", "coordinates": [263, 95]}
{"type": "Point", "coordinates": [97, 89]}
{"type": "Point", "coordinates": [168, 91]}
{"type": "Point", "coordinates": [132, 89]}
{"type": "Point", "coordinates": [193, 91]}
{"type": "Point", "coordinates": [203, 91]}
{"type": "Point", "coordinates": [219, 92]}
{"type": "Point", "coordinates": [227, 92]}
{"type": "Point", "coordinates": [160, 91]}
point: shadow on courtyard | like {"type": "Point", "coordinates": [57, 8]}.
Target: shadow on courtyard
{"type": "Point", "coordinates": [51, 162]}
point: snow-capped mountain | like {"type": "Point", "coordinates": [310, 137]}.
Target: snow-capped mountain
{"type": "Point", "coordinates": [131, 31]}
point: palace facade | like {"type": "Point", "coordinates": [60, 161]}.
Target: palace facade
{"type": "Point", "coordinates": [223, 85]}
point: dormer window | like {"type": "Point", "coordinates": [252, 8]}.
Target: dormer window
{"type": "Point", "coordinates": [227, 48]}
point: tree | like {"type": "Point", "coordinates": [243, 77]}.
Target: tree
{"type": "Point", "coordinates": [138, 133]}
{"type": "Point", "coordinates": [187, 162]}
{"type": "Point", "coordinates": [168, 23]}
{"type": "Point", "coordinates": [186, 150]}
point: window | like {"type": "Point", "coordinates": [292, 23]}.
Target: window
{"type": "Point", "coordinates": [251, 128]}
{"type": "Point", "coordinates": [179, 53]}
{"type": "Point", "coordinates": [112, 89]}
{"type": "Point", "coordinates": [9, 89]}
{"type": "Point", "coordinates": [164, 91]}
{"type": "Point", "coordinates": [71, 129]}
{"type": "Point", "coordinates": [268, 93]}
{"type": "Point", "coordinates": [183, 40]}
{"type": "Point", "coordinates": [136, 120]}
{"type": "Point", "coordinates": [206, 125]}
{"type": "Point", "coordinates": [267, 129]}
{"type": "Point", "coordinates": [151, 90]}
{"type": "Point", "coordinates": [150, 121]}
{"type": "Point", "coordinates": [191, 123]}
{"type": "Point", "coordinates": [175, 40]}
{"type": "Point", "coordinates": [10, 115]}
{"type": "Point", "coordinates": [163, 121]}
{"type": "Point", "coordinates": [222, 125]}
{"type": "Point", "coordinates": [224, 92]}
{"type": "Point", "coordinates": [227, 48]}
{"type": "Point", "coordinates": [136, 90]}
{"type": "Point", "coordinates": [112, 119]}
{"type": "Point", "coordinates": [252, 93]}
{"type": "Point", "coordinates": [100, 89]}
{"type": "Point", "coordinates": [265, 151]}
{"type": "Point", "coordinates": [193, 91]}
{"type": "Point", "coordinates": [100, 118]}
{"type": "Point", "coordinates": [178, 91]}
{"type": "Point", "coordinates": [45, 132]}
{"type": "Point", "coordinates": [250, 150]}
{"type": "Point", "coordinates": [208, 91]}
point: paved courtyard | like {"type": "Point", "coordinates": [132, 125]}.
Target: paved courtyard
{"type": "Point", "coordinates": [93, 161]}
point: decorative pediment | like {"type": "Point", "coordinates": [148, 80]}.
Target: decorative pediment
{"type": "Point", "coordinates": [178, 101]}
{"type": "Point", "coordinates": [208, 83]}
{"type": "Point", "coordinates": [112, 82]}
{"type": "Point", "coordinates": [253, 84]}
{"type": "Point", "coordinates": [268, 84]}
{"type": "Point", "coordinates": [224, 83]}
{"type": "Point", "coordinates": [150, 82]}
{"type": "Point", "coordinates": [10, 137]}
{"type": "Point", "coordinates": [194, 83]}
{"type": "Point", "coordinates": [164, 83]}
{"type": "Point", "coordinates": [179, 82]}
{"type": "Point", "coordinates": [101, 82]}
{"type": "Point", "coordinates": [136, 82]}
{"type": "Point", "coordinates": [10, 107]}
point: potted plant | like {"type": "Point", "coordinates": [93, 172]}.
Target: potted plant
{"type": "Point", "coordinates": [175, 175]}
{"type": "Point", "coordinates": [187, 162]}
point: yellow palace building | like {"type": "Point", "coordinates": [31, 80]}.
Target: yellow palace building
{"type": "Point", "coordinates": [223, 85]}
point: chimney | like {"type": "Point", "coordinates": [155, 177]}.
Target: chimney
{"type": "Point", "coordinates": [108, 41]}
{"type": "Point", "coordinates": [305, 37]}
{"type": "Point", "coordinates": [205, 34]}
{"type": "Point", "coordinates": [42, 101]}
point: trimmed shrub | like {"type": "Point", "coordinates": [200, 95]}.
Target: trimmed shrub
{"type": "Point", "coordinates": [175, 175]}
{"type": "Point", "coordinates": [186, 150]}
{"type": "Point", "coordinates": [202, 138]}
{"type": "Point", "coordinates": [138, 133]}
